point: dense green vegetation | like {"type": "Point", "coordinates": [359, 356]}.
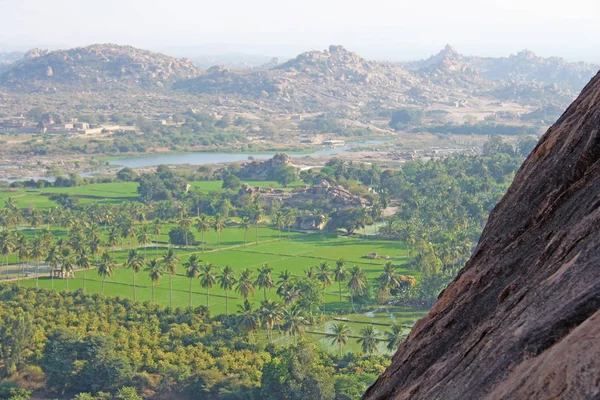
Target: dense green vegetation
{"type": "Point", "coordinates": [283, 297]}
{"type": "Point", "coordinates": [64, 344]}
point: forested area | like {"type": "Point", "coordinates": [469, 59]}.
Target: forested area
{"type": "Point", "coordinates": [76, 342]}
{"type": "Point", "coordinates": [91, 347]}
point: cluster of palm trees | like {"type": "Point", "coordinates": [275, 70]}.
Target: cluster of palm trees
{"type": "Point", "coordinates": [368, 337]}
{"type": "Point", "coordinates": [355, 279]}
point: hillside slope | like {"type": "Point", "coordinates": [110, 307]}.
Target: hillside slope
{"type": "Point", "coordinates": [522, 319]}
{"type": "Point", "coordinates": [97, 66]}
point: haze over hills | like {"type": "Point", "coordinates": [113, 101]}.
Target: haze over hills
{"type": "Point", "coordinates": [334, 81]}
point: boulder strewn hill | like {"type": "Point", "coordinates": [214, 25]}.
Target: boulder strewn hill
{"type": "Point", "coordinates": [98, 66]}
{"type": "Point", "coordinates": [523, 67]}
{"type": "Point", "coordinates": [522, 319]}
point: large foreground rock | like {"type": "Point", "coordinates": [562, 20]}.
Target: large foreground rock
{"type": "Point", "coordinates": [522, 319]}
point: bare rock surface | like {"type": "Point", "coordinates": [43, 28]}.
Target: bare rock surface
{"type": "Point", "coordinates": [522, 319]}
{"type": "Point", "coordinates": [265, 169]}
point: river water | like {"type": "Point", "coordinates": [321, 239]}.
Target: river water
{"type": "Point", "coordinates": [203, 159]}
{"type": "Point", "coordinates": [208, 158]}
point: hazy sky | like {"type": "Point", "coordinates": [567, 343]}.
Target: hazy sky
{"type": "Point", "coordinates": [391, 29]}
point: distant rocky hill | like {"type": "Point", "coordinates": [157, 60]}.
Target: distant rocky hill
{"type": "Point", "coordinates": [341, 82]}
{"type": "Point", "coordinates": [523, 67]}
{"type": "Point", "coordinates": [8, 59]}
{"type": "Point", "coordinates": [99, 66]}
{"type": "Point", "coordinates": [522, 318]}
{"type": "Point", "coordinates": [334, 83]}
{"type": "Point", "coordinates": [317, 80]}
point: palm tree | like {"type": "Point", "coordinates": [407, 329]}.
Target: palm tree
{"type": "Point", "coordinates": [170, 259]}
{"type": "Point", "coordinates": [7, 245]}
{"type": "Point", "coordinates": [202, 226]}
{"type": "Point", "coordinates": [294, 321]}
{"type": "Point", "coordinates": [324, 276]}
{"type": "Point", "coordinates": [144, 236]}
{"type": "Point", "coordinates": [245, 286]}
{"type": "Point", "coordinates": [310, 273]}
{"type": "Point", "coordinates": [289, 292]}
{"type": "Point", "coordinates": [192, 271]}
{"type": "Point", "coordinates": [388, 280]}
{"type": "Point", "coordinates": [218, 226]}
{"type": "Point", "coordinates": [38, 248]}
{"type": "Point", "coordinates": [207, 279]}
{"type": "Point", "coordinates": [257, 215]}
{"type": "Point", "coordinates": [357, 283]}
{"type": "Point", "coordinates": [290, 218]}
{"type": "Point", "coordinates": [155, 271]}
{"type": "Point", "coordinates": [394, 337]}
{"type": "Point", "coordinates": [245, 224]}
{"type": "Point", "coordinates": [113, 237]}
{"type": "Point", "coordinates": [35, 220]}
{"type": "Point", "coordinates": [128, 231]}
{"type": "Point", "coordinates": [285, 279]}
{"type": "Point", "coordinates": [106, 267]}
{"type": "Point", "coordinates": [23, 252]}
{"type": "Point", "coordinates": [340, 274]}
{"type": "Point", "coordinates": [339, 335]}
{"type": "Point", "coordinates": [271, 314]}
{"type": "Point", "coordinates": [83, 263]}
{"type": "Point", "coordinates": [156, 226]}
{"type": "Point", "coordinates": [368, 339]}
{"type": "Point", "coordinates": [52, 259]}
{"type": "Point", "coordinates": [279, 221]}
{"type": "Point", "coordinates": [248, 320]}
{"type": "Point", "coordinates": [264, 280]}
{"type": "Point", "coordinates": [185, 223]}
{"type": "Point", "coordinates": [226, 282]}
{"type": "Point", "coordinates": [135, 262]}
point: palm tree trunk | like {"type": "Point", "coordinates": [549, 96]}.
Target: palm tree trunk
{"type": "Point", "coordinates": [340, 286]}
{"type": "Point", "coordinates": [37, 267]}
{"type": "Point", "coordinates": [67, 281]}
{"type": "Point", "coordinates": [323, 300]}
{"type": "Point", "coordinates": [83, 275]}
{"type": "Point", "coordinates": [207, 294]}
{"type": "Point", "coordinates": [203, 241]}
{"type": "Point", "coordinates": [341, 350]}
{"type": "Point", "coordinates": [256, 232]}
{"type": "Point", "coordinates": [190, 292]}
{"type": "Point", "coordinates": [152, 292]}
{"type": "Point", "coordinates": [134, 294]}
{"type": "Point", "coordinates": [226, 302]}
{"type": "Point", "coordinates": [170, 290]}
{"type": "Point", "coordinates": [156, 245]}
{"type": "Point", "coordinates": [265, 292]}
{"type": "Point", "coordinates": [245, 235]}
{"type": "Point", "coordinates": [103, 279]}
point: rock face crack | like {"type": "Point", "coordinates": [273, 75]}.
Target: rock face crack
{"type": "Point", "coordinates": [522, 319]}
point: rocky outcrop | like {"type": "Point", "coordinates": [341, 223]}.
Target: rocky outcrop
{"type": "Point", "coordinates": [263, 170]}
{"type": "Point", "coordinates": [522, 319]}
{"type": "Point", "coordinates": [310, 222]}
{"type": "Point", "coordinates": [326, 195]}
{"type": "Point", "coordinates": [334, 195]}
